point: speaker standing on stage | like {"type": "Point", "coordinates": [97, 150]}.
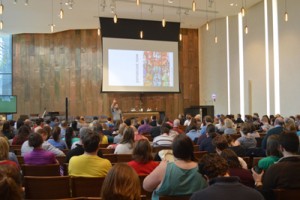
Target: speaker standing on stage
{"type": "Point", "coordinates": [116, 111]}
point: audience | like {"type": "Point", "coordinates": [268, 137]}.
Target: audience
{"type": "Point", "coordinates": [229, 128]}
{"type": "Point", "coordinates": [4, 153]}
{"type": "Point", "coordinates": [206, 143]}
{"type": "Point", "coordinates": [176, 124]}
{"type": "Point", "coordinates": [221, 185]}
{"type": "Point", "coordinates": [70, 138]}
{"type": "Point", "coordinates": [155, 131]}
{"type": "Point", "coordinates": [193, 132]}
{"type": "Point", "coordinates": [142, 161]}
{"type": "Point", "coordinates": [38, 156]}
{"type": "Point", "coordinates": [179, 177]}
{"type": "Point", "coordinates": [276, 130]}
{"type": "Point", "coordinates": [10, 183]}
{"type": "Point", "coordinates": [145, 128]}
{"type": "Point", "coordinates": [121, 183]}
{"type": "Point", "coordinates": [56, 140]}
{"type": "Point", "coordinates": [89, 164]}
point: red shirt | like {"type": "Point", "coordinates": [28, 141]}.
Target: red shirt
{"type": "Point", "coordinates": [9, 162]}
{"type": "Point", "coordinates": [143, 168]}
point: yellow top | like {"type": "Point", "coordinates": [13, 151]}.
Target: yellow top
{"type": "Point", "coordinates": [88, 166]}
{"type": "Point", "coordinates": [104, 139]}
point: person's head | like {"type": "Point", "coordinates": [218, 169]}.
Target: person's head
{"type": "Point", "coordinates": [183, 147]}
{"type": "Point", "coordinates": [48, 130]}
{"type": "Point", "coordinates": [43, 133]}
{"type": "Point", "coordinates": [10, 183]}
{"type": "Point", "coordinates": [289, 124]}
{"type": "Point", "coordinates": [188, 116]}
{"type": "Point", "coordinates": [211, 130]}
{"type": "Point", "coordinates": [273, 146]}
{"type": "Point", "coordinates": [265, 119]}
{"type": "Point", "coordinates": [220, 142]}
{"type": "Point", "coordinates": [146, 120]}
{"type": "Point", "coordinates": [153, 117]}
{"type": "Point", "coordinates": [165, 128]}
{"type": "Point", "coordinates": [23, 133]}
{"type": "Point", "coordinates": [142, 151]}
{"type": "Point", "coordinates": [68, 136]}
{"type": "Point", "coordinates": [4, 148]}
{"type": "Point", "coordinates": [122, 127]}
{"type": "Point", "coordinates": [64, 124]}
{"type": "Point", "coordinates": [279, 121]}
{"type": "Point", "coordinates": [208, 119]}
{"type": "Point", "coordinates": [121, 183]}
{"type": "Point", "coordinates": [56, 133]}
{"type": "Point", "coordinates": [39, 122]}
{"type": "Point", "coordinates": [231, 158]}
{"type": "Point", "coordinates": [289, 142]}
{"type": "Point", "coordinates": [128, 136]}
{"type": "Point", "coordinates": [6, 126]}
{"type": "Point", "coordinates": [127, 122]}
{"type": "Point", "coordinates": [98, 128]}
{"type": "Point", "coordinates": [74, 125]}
{"type": "Point", "coordinates": [90, 141]}
{"type": "Point", "coordinates": [246, 128]}
{"type": "Point", "coordinates": [35, 140]}
{"type": "Point", "coordinates": [176, 123]}
{"type": "Point", "coordinates": [228, 123]}
{"type": "Point", "coordinates": [212, 166]}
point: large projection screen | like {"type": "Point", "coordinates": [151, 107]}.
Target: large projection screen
{"type": "Point", "coordinates": [137, 65]}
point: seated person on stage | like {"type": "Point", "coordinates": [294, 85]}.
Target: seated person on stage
{"type": "Point", "coordinates": [38, 156]}
{"type": "Point", "coordinates": [142, 161]}
{"type": "Point", "coordinates": [235, 168]}
{"type": "Point", "coordinates": [78, 149]}
{"type": "Point", "coordinates": [56, 140]}
{"type": "Point", "coordinates": [164, 140]}
{"type": "Point", "coordinates": [89, 164]}
{"type": "Point", "coordinates": [221, 185]}
{"type": "Point", "coordinates": [176, 178]}
{"type": "Point", "coordinates": [121, 183]}
{"type": "Point", "coordinates": [127, 142]}
{"type": "Point", "coordinates": [284, 174]}
{"type": "Point", "coordinates": [46, 145]}
{"type": "Point", "coordinates": [145, 128]}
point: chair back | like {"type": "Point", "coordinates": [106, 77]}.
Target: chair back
{"type": "Point", "coordinates": [185, 197]}
{"type": "Point", "coordinates": [61, 159]}
{"type": "Point", "coordinates": [286, 194]}
{"type": "Point", "coordinates": [198, 154]}
{"type": "Point", "coordinates": [86, 186]}
{"type": "Point", "coordinates": [41, 170]}
{"type": "Point", "coordinates": [47, 187]}
{"type": "Point", "coordinates": [107, 151]}
{"type": "Point", "coordinates": [111, 157]}
{"type": "Point", "coordinates": [144, 193]}
{"type": "Point", "coordinates": [124, 157]}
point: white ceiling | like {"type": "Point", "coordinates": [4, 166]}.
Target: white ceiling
{"type": "Point", "coordinates": [36, 17]}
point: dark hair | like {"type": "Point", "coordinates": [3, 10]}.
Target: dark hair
{"type": "Point", "coordinates": [220, 142]}
{"type": "Point", "coordinates": [273, 146]}
{"type": "Point", "coordinates": [6, 126]}
{"type": "Point", "coordinates": [20, 123]}
{"type": "Point", "coordinates": [47, 129]}
{"type": "Point", "coordinates": [183, 147]}
{"type": "Point", "coordinates": [38, 121]}
{"type": "Point", "coordinates": [127, 122]}
{"type": "Point", "coordinates": [231, 158]}
{"type": "Point", "coordinates": [165, 128]}
{"type": "Point", "coordinates": [10, 183]}
{"type": "Point", "coordinates": [121, 183]}
{"type": "Point", "coordinates": [22, 135]}
{"type": "Point", "coordinates": [90, 141]}
{"type": "Point", "coordinates": [56, 133]}
{"type": "Point", "coordinates": [211, 130]}
{"type": "Point", "coordinates": [142, 151]}
{"type": "Point", "coordinates": [98, 128]}
{"type": "Point", "coordinates": [247, 128]}
{"type": "Point", "coordinates": [35, 140]}
{"type": "Point", "coordinates": [212, 165]}
{"type": "Point", "coordinates": [289, 141]}
{"type": "Point", "coordinates": [69, 136]}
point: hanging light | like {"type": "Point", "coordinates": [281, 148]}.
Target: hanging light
{"type": "Point", "coordinates": [1, 8]}
{"type": "Point", "coordinates": [243, 11]}
{"type": "Point", "coordinates": [141, 34]}
{"type": "Point", "coordinates": [61, 13]}
{"type": "Point", "coordinates": [52, 28]}
{"type": "Point", "coordinates": [15, 1]}
{"type": "Point", "coordinates": [26, 2]}
{"type": "Point", "coordinates": [163, 22]}
{"type": "Point", "coordinates": [137, 2]}
{"type": "Point", "coordinates": [194, 6]}
{"type": "Point", "coordinates": [1, 25]}
{"type": "Point", "coordinates": [52, 24]}
{"type": "Point", "coordinates": [246, 29]}
{"type": "Point", "coordinates": [216, 39]}
{"type": "Point", "coordinates": [115, 18]}
{"type": "Point", "coordinates": [286, 16]}
{"type": "Point", "coordinates": [180, 37]}
{"type": "Point", "coordinates": [207, 26]}
{"type": "Point", "coordinates": [98, 32]}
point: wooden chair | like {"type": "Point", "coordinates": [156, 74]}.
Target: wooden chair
{"type": "Point", "coordinates": [41, 170]}
{"type": "Point", "coordinates": [61, 159]}
{"type": "Point", "coordinates": [124, 157]}
{"type": "Point", "coordinates": [149, 137]}
{"type": "Point", "coordinates": [198, 154]}
{"type": "Point", "coordinates": [255, 161]}
{"type": "Point", "coordinates": [13, 147]}
{"type": "Point", "coordinates": [103, 145]}
{"type": "Point", "coordinates": [47, 187]}
{"type": "Point", "coordinates": [196, 148]}
{"type": "Point", "coordinates": [111, 157]}
{"type": "Point", "coordinates": [155, 150]}
{"type": "Point", "coordinates": [20, 160]}
{"type": "Point", "coordinates": [86, 186]}
{"type": "Point", "coordinates": [286, 194]}
{"type": "Point", "coordinates": [66, 169]}
{"type": "Point", "coordinates": [185, 197]}
{"type": "Point", "coordinates": [107, 151]}
{"type": "Point", "coordinates": [17, 152]}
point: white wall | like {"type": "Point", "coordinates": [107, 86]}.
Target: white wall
{"type": "Point", "coordinates": [213, 69]}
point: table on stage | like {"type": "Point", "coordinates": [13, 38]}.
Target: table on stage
{"type": "Point", "coordinates": [141, 115]}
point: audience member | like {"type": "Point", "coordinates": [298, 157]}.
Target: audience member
{"type": "Point", "coordinates": [164, 139]}
{"type": "Point", "coordinates": [4, 153]}
{"type": "Point", "coordinates": [119, 133]}
{"type": "Point", "coordinates": [247, 140]}
{"type": "Point", "coordinates": [21, 136]}
{"type": "Point", "coordinates": [121, 183]}
{"type": "Point", "coordinates": [188, 119]}
{"type": "Point", "coordinates": [142, 161]}
{"type": "Point", "coordinates": [89, 164]}
{"type": "Point", "coordinates": [179, 177]}
{"type": "Point", "coordinates": [10, 183]}
{"type": "Point", "coordinates": [176, 124]}
{"type": "Point", "coordinates": [206, 121]}
{"type": "Point", "coordinates": [70, 138]}
{"type": "Point", "coordinates": [277, 129]}
{"type": "Point", "coordinates": [153, 120]}
{"type": "Point", "coordinates": [221, 185]}
{"type": "Point", "coordinates": [193, 132]}
{"type": "Point", "coordinates": [145, 128]}
{"type": "Point", "coordinates": [7, 130]}
{"type": "Point", "coordinates": [127, 142]}
{"type": "Point", "coordinates": [63, 127]}
{"type": "Point", "coordinates": [229, 129]}
{"type": "Point", "coordinates": [155, 131]}
{"type": "Point", "coordinates": [206, 143]}
{"type": "Point", "coordinates": [289, 124]}
{"type": "Point", "coordinates": [285, 173]}
{"type": "Point", "coordinates": [265, 123]}
{"type": "Point", "coordinates": [56, 140]}
{"type": "Point", "coordinates": [38, 156]}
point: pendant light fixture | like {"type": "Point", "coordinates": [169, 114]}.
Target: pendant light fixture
{"type": "Point", "coordinates": [98, 30]}
{"type": "Point", "coordinates": [286, 16]}
{"type": "Point", "coordinates": [179, 13]}
{"type": "Point", "coordinates": [1, 8]}
{"type": "Point", "coordinates": [193, 6]}
{"type": "Point", "coordinates": [141, 30]}
{"type": "Point", "coordinates": [206, 12]}
{"type": "Point", "coordinates": [216, 37]}
{"type": "Point", "coordinates": [163, 20]}
{"type": "Point", "coordinates": [61, 11]}
{"type": "Point", "coordinates": [52, 25]}
{"type": "Point", "coordinates": [243, 9]}
{"type": "Point", "coordinates": [137, 2]}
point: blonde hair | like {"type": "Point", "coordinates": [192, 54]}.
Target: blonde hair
{"type": "Point", "coordinates": [4, 148]}
{"type": "Point", "coordinates": [121, 183]}
{"type": "Point", "coordinates": [228, 123]}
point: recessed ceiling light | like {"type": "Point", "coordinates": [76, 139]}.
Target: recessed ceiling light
{"type": "Point", "coordinates": [170, 1]}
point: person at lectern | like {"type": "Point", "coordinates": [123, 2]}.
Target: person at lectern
{"type": "Point", "coordinates": [116, 111]}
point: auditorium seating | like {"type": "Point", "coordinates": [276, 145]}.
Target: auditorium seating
{"type": "Point", "coordinates": [86, 186]}
{"type": "Point", "coordinates": [185, 197]}
{"type": "Point", "coordinates": [107, 151]}
{"type": "Point", "coordinates": [286, 194]}
{"type": "Point", "coordinates": [198, 154]}
{"type": "Point", "coordinates": [41, 170]}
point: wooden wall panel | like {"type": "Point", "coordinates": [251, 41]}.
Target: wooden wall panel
{"type": "Point", "coordinates": [50, 67]}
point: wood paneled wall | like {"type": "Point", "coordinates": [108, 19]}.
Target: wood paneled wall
{"type": "Point", "coordinates": [47, 68]}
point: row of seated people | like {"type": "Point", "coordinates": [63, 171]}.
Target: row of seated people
{"type": "Point", "coordinates": [90, 165]}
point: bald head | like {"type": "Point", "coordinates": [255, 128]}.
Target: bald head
{"type": "Point", "coordinates": [279, 121]}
